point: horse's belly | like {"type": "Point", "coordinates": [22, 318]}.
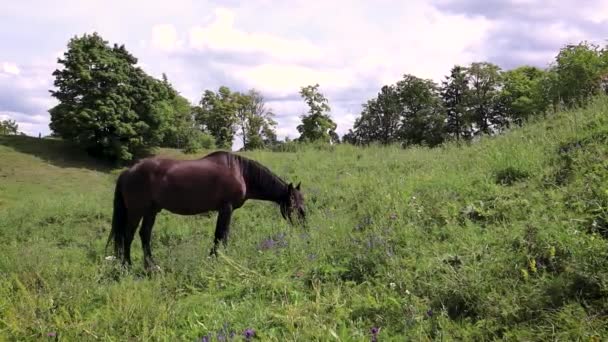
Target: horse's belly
{"type": "Point", "coordinates": [185, 201]}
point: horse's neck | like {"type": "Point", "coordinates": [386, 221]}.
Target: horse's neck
{"type": "Point", "coordinates": [272, 189]}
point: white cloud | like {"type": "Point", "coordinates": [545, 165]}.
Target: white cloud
{"type": "Point", "coordinates": [165, 37]}
{"type": "Point", "coordinates": [221, 35]}
{"type": "Point", "coordinates": [10, 68]}
{"type": "Point", "coordinates": [351, 48]}
{"type": "Point", "coordinates": [284, 80]}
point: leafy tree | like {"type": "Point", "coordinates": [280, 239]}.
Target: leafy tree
{"type": "Point", "coordinates": [365, 127]}
{"type": "Point", "coordinates": [522, 93]}
{"type": "Point", "coordinates": [255, 121]}
{"type": "Point", "coordinates": [422, 118]}
{"type": "Point", "coordinates": [9, 127]}
{"type": "Point", "coordinates": [385, 112]}
{"type": "Point", "coordinates": [351, 137]}
{"type": "Point", "coordinates": [579, 70]}
{"type": "Point", "coordinates": [486, 110]}
{"type": "Point", "coordinates": [195, 140]}
{"type": "Point", "coordinates": [179, 132]}
{"type": "Point", "coordinates": [409, 112]}
{"type": "Point", "coordinates": [454, 94]}
{"type": "Point", "coordinates": [317, 125]}
{"type": "Point", "coordinates": [216, 114]}
{"type": "Point", "coordinates": [107, 104]}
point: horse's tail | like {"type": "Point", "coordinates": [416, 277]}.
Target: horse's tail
{"type": "Point", "coordinates": [119, 219]}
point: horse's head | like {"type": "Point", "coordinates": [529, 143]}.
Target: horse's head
{"type": "Point", "coordinates": [294, 202]}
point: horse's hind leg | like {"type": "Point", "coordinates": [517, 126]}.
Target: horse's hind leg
{"type": "Point", "coordinates": [145, 233]}
{"type": "Point", "coordinates": [132, 224]}
{"type": "Point", "coordinates": [222, 227]}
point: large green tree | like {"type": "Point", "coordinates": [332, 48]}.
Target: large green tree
{"type": "Point", "coordinates": [522, 93]}
{"type": "Point", "coordinates": [422, 117]}
{"type": "Point", "coordinates": [486, 110]}
{"type": "Point", "coordinates": [180, 132]}
{"type": "Point", "coordinates": [255, 121]}
{"type": "Point", "coordinates": [317, 124]}
{"type": "Point", "coordinates": [455, 94]}
{"type": "Point", "coordinates": [580, 70]}
{"type": "Point", "coordinates": [409, 112]}
{"type": "Point", "coordinates": [107, 104]}
{"type": "Point", "coordinates": [217, 114]}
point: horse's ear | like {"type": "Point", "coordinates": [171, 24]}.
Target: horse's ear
{"type": "Point", "coordinates": [290, 187]}
{"type": "Point", "coordinates": [298, 186]}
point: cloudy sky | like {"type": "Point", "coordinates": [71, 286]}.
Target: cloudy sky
{"type": "Point", "coordinates": [351, 48]}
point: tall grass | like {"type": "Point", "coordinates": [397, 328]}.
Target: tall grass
{"type": "Point", "coordinates": [502, 239]}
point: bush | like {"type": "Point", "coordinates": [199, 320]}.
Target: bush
{"type": "Point", "coordinates": [197, 140]}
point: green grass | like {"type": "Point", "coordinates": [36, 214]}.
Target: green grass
{"type": "Point", "coordinates": [502, 239]}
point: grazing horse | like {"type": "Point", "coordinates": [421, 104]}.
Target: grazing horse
{"type": "Point", "coordinates": [220, 181]}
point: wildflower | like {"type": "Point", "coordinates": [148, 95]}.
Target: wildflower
{"type": "Point", "coordinates": [205, 339]}
{"type": "Point", "coordinates": [249, 333]}
{"type": "Point", "coordinates": [267, 244]}
{"type": "Point", "coordinates": [393, 216]}
{"type": "Point", "coordinates": [430, 313]}
{"type": "Point", "coordinates": [52, 334]}
{"type": "Point", "coordinates": [375, 331]}
{"type": "Point", "coordinates": [407, 292]}
{"type": "Point", "coordinates": [392, 285]}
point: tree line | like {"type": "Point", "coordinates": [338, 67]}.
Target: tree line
{"type": "Point", "coordinates": [479, 99]}
{"type": "Point", "coordinates": [113, 109]}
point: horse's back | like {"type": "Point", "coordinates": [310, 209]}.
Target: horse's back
{"type": "Point", "coordinates": [185, 186]}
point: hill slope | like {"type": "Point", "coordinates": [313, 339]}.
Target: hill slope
{"type": "Point", "coordinates": [506, 238]}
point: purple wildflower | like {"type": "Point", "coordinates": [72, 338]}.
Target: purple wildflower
{"type": "Point", "coordinates": [267, 244]}
{"type": "Point", "coordinates": [52, 334]}
{"type": "Point", "coordinates": [375, 331]}
{"type": "Point", "coordinates": [275, 241]}
{"type": "Point", "coordinates": [430, 313]}
{"type": "Point", "coordinates": [249, 333]}
{"type": "Point", "coordinates": [205, 339]}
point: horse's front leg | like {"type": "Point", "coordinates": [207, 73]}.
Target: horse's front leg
{"type": "Point", "coordinates": [222, 227]}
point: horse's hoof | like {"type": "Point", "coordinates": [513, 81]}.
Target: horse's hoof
{"type": "Point", "coordinates": [154, 269]}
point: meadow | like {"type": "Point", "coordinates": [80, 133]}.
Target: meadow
{"type": "Point", "coordinates": [501, 239]}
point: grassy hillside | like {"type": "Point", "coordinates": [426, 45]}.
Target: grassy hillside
{"type": "Point", "coordinates": [503, 239]}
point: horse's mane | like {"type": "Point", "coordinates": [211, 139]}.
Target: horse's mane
{"type": "Point", "coordinates": [255, 172]}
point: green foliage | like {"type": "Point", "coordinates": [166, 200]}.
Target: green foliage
{"type": "Point", "coordinates": [255, 121]}
{"type": "Point", "coordinates": [216, 114]}
{"type": "Point", "coordinates": [455, 94]}
{"type": "Point", "coordinates": [579, 70]}
{"type": "Point", "coordinates": [178, 133]}
{"type": "Point", "coordinates": [106, 104]}
{"type": "Point", "coordinates": [463, 243]}
{"type": "Point", "coordinates": [485, 110]}
{"type": "Point", "coordinates": [480, 99]}
{"type": "Point", "coordinates": [225, 113]}
{"type": "Point", "coordinates": [8, 127]}
{"type": "Point", "coordinates": [195, 140]}
{"type": "Point", "coordinates": [522, 93]}
{"type": "Point", "coordinates": [421, 112]}
{"type": "Point", "coordinates": [317, 124]}
{"type": "Point", "coordinates": [409, 112]}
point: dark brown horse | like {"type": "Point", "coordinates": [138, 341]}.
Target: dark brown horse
{"type": "Point", "coordinates": [220, 181]}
